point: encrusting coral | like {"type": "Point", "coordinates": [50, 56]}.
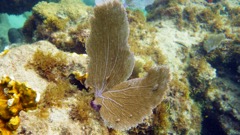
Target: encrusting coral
{"type": "Point", "coordinates": [123, 104]}
{"type": "Point", "coordinates": [14, 97]}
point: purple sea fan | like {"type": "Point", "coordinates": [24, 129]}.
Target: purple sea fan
{"type": "Point", "coordinates": [123, 103]}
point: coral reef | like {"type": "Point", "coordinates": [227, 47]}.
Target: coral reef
{"type": "Point", "coordinates": [165, 8]}
{"type": "Point", "coordinates": [200, 76]}
{"type": "Point", "coordinates": [58, 98]}
{"type": "Point", "coordinates": [210, 64]}
{"type": "Point", "coordinates": [214, 79]}
{"type": "Point", "coordinates": [161, 118]}
{"type": "Point", "coordinates": [180, 110]}
{"type": "Point", "coordinates": [15, 97]}
{"type": "Point", "coordinates": [204, 89]}
{"type": "Point", "coordinates": [63, 24]}
{"type": "Point", "coordinates": [225, 60]}
{"type": "Point", "coordinates": [141, 31]}
{"type": "Point", "coordinates": [200, 16]}
{"type": "Point", "coordinates": [222, 107]}
{"type": "Point", "coordinates": [15, 63]}
{"type": "Point", "coordinates": [156, 43]}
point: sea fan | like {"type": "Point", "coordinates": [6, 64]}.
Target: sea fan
{"type": "Point", "coordinates": [123, 103]}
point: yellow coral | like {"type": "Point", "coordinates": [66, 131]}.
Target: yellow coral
{"type": "Point", "coordinates": [80, 77]}
{"type": "Point", "coordinates": [4, 52]}
{"type": "Point", "coordinates": [3, 130]}
{"type": "Point", "coordinates": [13, 123]}
{"type": "Point", "coordinates": [14, 97]}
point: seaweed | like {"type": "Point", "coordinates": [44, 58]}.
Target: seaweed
{"type": "Point", "coordinates": [49, 66]}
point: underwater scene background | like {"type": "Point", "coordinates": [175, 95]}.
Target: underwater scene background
{"type": "Point", "coordinates": [129, 67]}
